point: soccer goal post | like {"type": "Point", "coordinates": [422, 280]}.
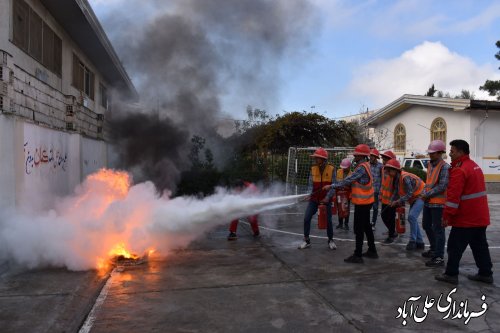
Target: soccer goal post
{"type": "Point", "coordinates": [300, 162]}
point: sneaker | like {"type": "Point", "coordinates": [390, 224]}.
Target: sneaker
{"type": "Point", "coordinates": [435, 262]}
{"type": "Point", "coordinates": [232, 236]}
{"type": "Point", "coordinates": [346, 228]}
{"type": "Point", "coordinates": [447, 278]}
{"type": "Point", "coordinates": [339, 226]}
{"type": "Point", "coordinates": [481, 278]}
{"type": "Point", "coordinates": [388, 240]}
{"type": "Point", "coordinates": [420, 246]}
{"type": "Point", "coordinates": [331, 244]}
{"type": "Point", "coordinates": [428, 254]}
{"type": "Point", "coordinates": [371, 254]}
{"type": "Point", "coordinates": [304, 245]}
{"type": "Point", "coordinates": [411, 246]}
{"type": "Point", "coordinates": [373, 226]}
{"type": "Point", "coordinates": [354, 259]}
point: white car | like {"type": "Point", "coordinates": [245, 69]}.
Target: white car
{"type": "Point", "coordinates": [417, 163]}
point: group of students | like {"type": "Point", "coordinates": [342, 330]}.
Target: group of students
{"type": "Point", "coordinates": [451, 196]}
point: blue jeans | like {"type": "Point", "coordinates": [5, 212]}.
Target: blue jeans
{"type": "Point", "coordinates": [311, 209]}
{"type": "Point", "coordinates": [375, 208]}
{"type": "Point", "coordinates": [415, 210]}
{"type": "Point", "coordinates": [431, 222]}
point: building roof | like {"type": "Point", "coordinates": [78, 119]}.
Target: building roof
{"type": "Point", "coordinates": [406, 101]}
{"type": "Point", "coordinates": [79, 21]}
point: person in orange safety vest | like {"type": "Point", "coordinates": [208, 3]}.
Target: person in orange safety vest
{"type": "Point", "coordinates": [466, 211]}
{"type": "Point", "coordinates": [434, 196]}
{"type": "Point", "coordinates": [322, 173]}
{"type": "Point", "coordinates": [361, 183]}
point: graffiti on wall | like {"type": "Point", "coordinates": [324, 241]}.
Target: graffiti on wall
{"type": "Point", "coordinates": [43, 155]}
{"type": "Point", "coordinates": [493, 165]}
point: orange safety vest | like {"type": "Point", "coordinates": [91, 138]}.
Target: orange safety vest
{"type": "Point", "coordinates": [363, 194]}
{"type": "Point", "coordinates": [320, 180]}
{"type": "Point", "coordinates": [432, 180]}
{"type": "Point", "coordinates": [340, 176]}
{"type": "Point", "coordinates": [419, 183]}
{"type": "Point", "coordinates": [386, 188]}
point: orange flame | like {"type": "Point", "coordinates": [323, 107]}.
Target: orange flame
{"type": "Point", "coordinates": [119, 250]}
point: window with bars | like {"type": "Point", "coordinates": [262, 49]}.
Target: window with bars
{"type": "Point", "coordinates": [438, 129]}
{"type": "Point", "coordinates": [83, 77]}
{"type": "Point", "coordinates": [35, 37]}
{"type": "Point", "coordinates": [400, 138]}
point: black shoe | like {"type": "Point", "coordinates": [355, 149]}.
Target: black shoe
{"type": "Point", "coordinates": [370, 254]}
{"type": "Point", "coordinates": [447, 278]}
{"type": "Point", "coordinates": [481, 278]}
{"type": "Point", "coordinates": [346, 227]}
{"type": "Point", "coordinates": [411, 246]}
{"type": "Point", "coordinates": [420, 246]}
{"type": "Point", "coordinates": [428, 254]}
{"type": "Point", "coordinates": [354, 259]}
{"type": "Point", "coordinates": [232, 236]}
{"type": "Point", "coordinates": [435, 262]}
{"type": "Point", "coordinates": [340, 226]}
{"type": "Point", "coordinates": [388, 240]}
{"type": "Point", "coordinates": [256, 234]}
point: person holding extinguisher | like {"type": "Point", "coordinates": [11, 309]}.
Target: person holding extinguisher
{"type": "Point", "coordinates": [343, 195]}
{"type": "Point", "coordinates": [407, 188]}
{"type": "Point", "coordinates": [361, 183]}
{"type": "Point", "coordinates": [322, 173]}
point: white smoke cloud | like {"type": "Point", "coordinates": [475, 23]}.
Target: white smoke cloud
{"type": "Point", "coordinates": [382, 81]}
{"type": "Point", "coordinates": [105, 212]}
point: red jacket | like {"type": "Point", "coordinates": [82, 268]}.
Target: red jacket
{"type": "Point", "coordinates": [466, 202]}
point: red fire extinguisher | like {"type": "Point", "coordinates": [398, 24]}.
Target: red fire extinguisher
{"type": "Point", "coordinates": [400, 220]}
{"type": "Point", "coordinates": [322, 216]}
{"type": "Point", "coordinates": [342, 203]}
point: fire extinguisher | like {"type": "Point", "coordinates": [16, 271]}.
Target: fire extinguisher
{"type": "Point", "coordinates": [343, 203]}
{"type": "Point", "coordinates": [400, 220]}
{"type": "Point", "coordinates": [322, 216]}
{"type": "Point", "coordinates": [334, 205]}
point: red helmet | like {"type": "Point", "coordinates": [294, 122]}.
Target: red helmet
{"type": "Point", "coordinates": [374, 152]}
{"type": "Point", "coordinates": [393, 164]}
{"type": "Point", "coordinates": [321, 153]}
{"type": "Point", "coordinates": [362, 150]}
{"type": "Point", "coordinates": [388, 154]}
{"type": "Point", "coordinates": [436, 146]}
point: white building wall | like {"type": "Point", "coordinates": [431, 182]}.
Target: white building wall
{"type": "Point", "coordinates": [417, 121]}
{"type": "Point", "coordinates": [485, 146]}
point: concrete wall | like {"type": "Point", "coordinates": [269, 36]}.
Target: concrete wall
{"type": "Point", "coordinates": [31, 66]}
{"type": "Point", "coordinates": [41, 164]}
{"type": "Point", "coordinates": [485, 146]}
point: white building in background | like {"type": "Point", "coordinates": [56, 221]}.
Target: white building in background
{"type": "Point", "coordinates": [57, 71]}
{"type": "Point", "coordinates": [408, 124]}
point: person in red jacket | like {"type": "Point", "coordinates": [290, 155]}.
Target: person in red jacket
{"type": "Point", "coordinates": [240, 186]}
{"type": "Point", "coordinates": [466, 211]}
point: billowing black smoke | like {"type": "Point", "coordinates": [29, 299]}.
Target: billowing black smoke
{"type": "Point", "coordinates": [188, 58]}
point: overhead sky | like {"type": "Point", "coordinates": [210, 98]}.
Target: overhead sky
{"type": "Point", "coordinates": [368, 53]}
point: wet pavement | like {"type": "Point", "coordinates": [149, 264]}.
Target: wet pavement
{"type": "Point", "coordinates": [258, 285]}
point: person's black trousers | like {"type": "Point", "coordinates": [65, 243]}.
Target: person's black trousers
{"type": "Point", "coordinates": [458, 240]}
{"type": "Point", "coordinates": [389, 217]}
{"type": "Point", "coordinates": [363, 226]}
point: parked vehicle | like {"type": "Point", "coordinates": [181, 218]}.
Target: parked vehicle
{"type": "Point", "coordinates": [417, 163]}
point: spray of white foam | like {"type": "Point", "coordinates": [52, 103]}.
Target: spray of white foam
{"type": "Point", "coordinates": [105, 211]}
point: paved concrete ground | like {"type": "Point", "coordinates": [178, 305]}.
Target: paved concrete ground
{"type": "Point", "coordinates": [249, 285]}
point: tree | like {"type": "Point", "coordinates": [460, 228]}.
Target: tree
{"type": "Point", "coordinates": [493, 87]}
{"type": "Point", "coordinates": [431, 91]}
{"type": "Point", "coordinates": [466, 94]}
